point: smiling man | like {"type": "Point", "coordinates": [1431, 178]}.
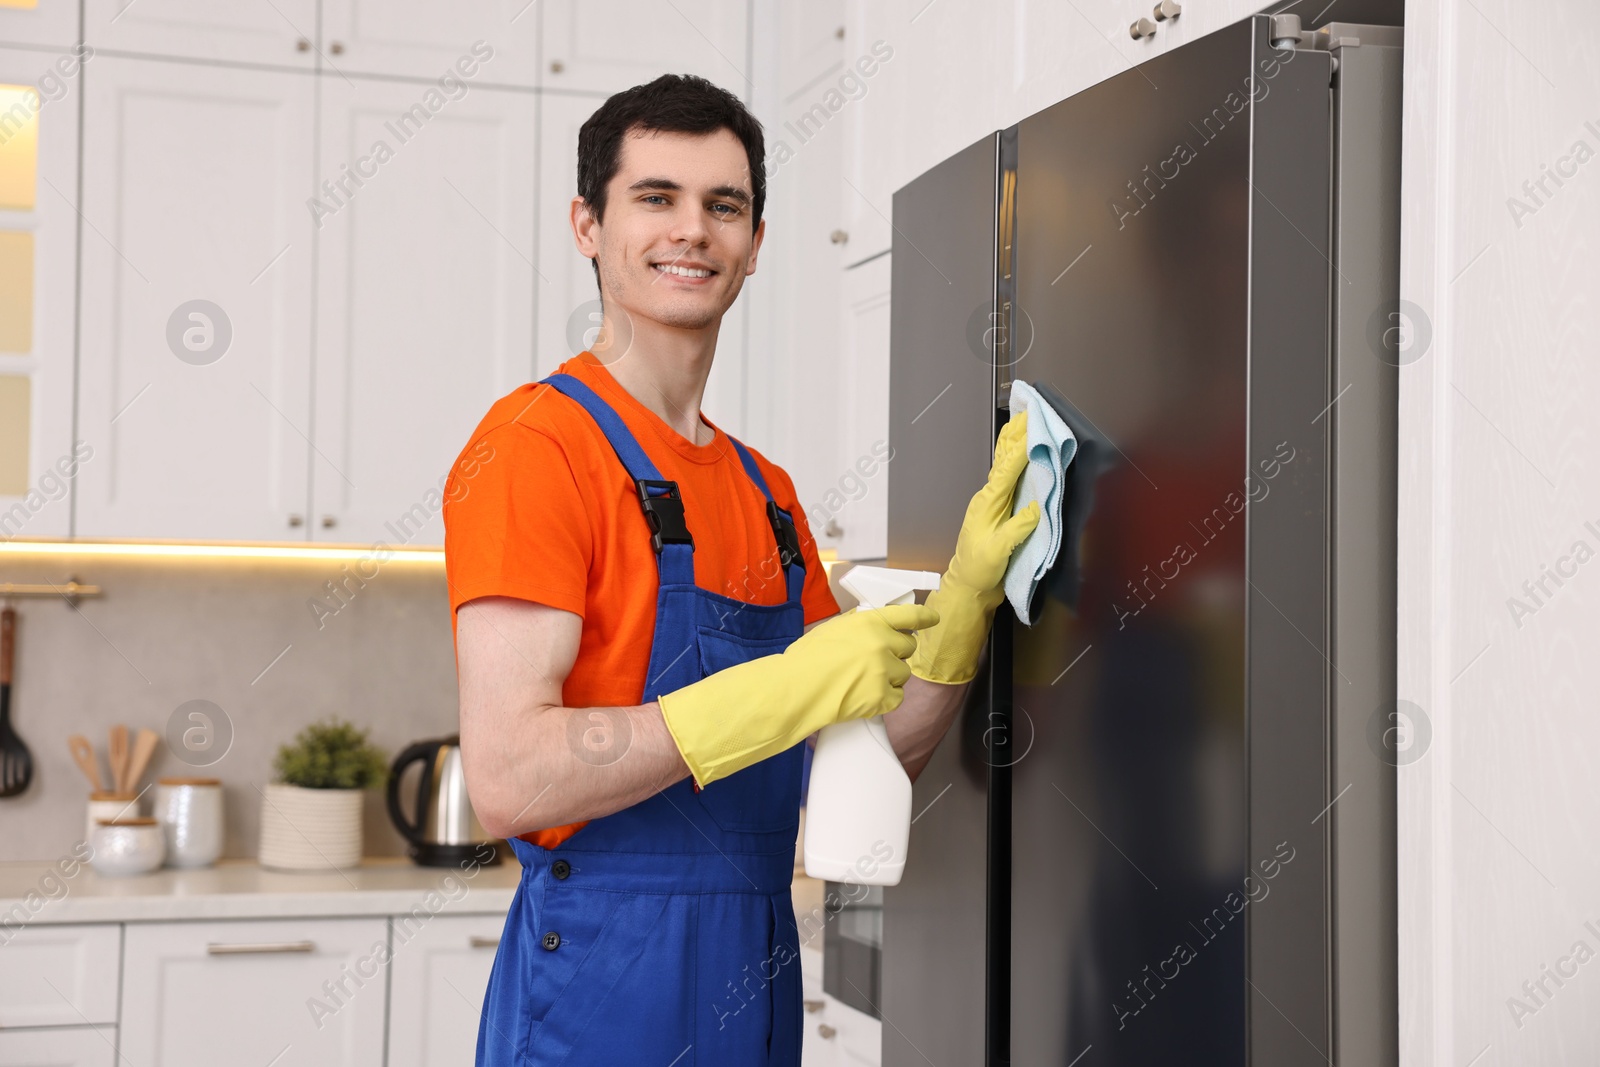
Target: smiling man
{"type": "Point", "coordinates": [636, 599]}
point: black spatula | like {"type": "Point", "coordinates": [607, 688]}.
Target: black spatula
{"type": "Point", "coordinates": [16, 762]}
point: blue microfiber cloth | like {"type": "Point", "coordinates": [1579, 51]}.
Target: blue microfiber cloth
{"type": "Point", "coordinates": [1051, 447]}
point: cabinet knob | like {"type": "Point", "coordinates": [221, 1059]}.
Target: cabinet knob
{"type": "Point", "coordinates": [1167, 9]}
{"type": "Point", "coordinates": [815, 1005]}
{"type": "Point", "coordinates": [302, 45]}
{"type": "Point", "coordinates": [824, 1030]}
{"type": "Point", "coordinates": [833, 529]}
{"type": "Point", "coordinates": [1142, 28]}
{"type": "Point", "coordinates": [556, 66]}
{"type": "Point", "coordinates": [297, 520]}
{"type": "Point", "coordinates": [838, 237]}
{"type": "Point", "coordinates": [839, 33]}
{"type": "Point", "coordinates": [337, 48]}
{"type": "Point", "coordinates": [329, 522]}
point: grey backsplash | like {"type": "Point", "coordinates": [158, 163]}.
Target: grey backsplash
{"type": "Point", "coordinates": [168, 631]}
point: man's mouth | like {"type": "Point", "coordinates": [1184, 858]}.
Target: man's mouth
{"type": "Point", "coordinates": [682, 272]}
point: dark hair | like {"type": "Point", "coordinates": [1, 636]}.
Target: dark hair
{"type": "Point", "coordinates": [673, 103]}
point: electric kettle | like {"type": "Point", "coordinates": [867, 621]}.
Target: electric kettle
{"type": "Point", "coordinates": [445, 832]}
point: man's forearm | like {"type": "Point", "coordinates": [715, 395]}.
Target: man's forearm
{"type": "Point", "coordinates": [556, 765]}
{"type": "Point", "coordinates": [917, 725]}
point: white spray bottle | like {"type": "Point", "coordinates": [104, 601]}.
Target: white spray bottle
{"type": "Point", "coordinates": [858, 805]}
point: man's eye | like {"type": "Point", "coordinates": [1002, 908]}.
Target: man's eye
{"type": "Point", "coordinates": [656, 196]}
{"type": "Point", "coordinates": [731, 209]}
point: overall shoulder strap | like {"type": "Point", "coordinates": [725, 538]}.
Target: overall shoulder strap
{"type": "Point", "coordinates": [658, 498]}
{"type": "Point", "coordinates": [783, 528]}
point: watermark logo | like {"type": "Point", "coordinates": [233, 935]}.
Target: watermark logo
{"type": "Point", "coordinates": [199, 332]}
{"type": "Point", "coordinates": [199, 733]}
{"type": "Point", "coordinates": [1399, 734]}
{"type": "Point", "coordinates": [599, 736]}
{"type": "Point", "coordinates": [988, 333]}
{"type": "Point", "coordinates": [1399, 333]}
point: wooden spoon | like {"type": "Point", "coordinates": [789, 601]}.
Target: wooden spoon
{"type": "Point", "coordinates": [83, 754]}
{"type": "Point", "coordinates": [144, 746]}
{"type": "Point", "coordinates": [119, 758]}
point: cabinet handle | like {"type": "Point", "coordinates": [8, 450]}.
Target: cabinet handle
{"type": "Point", "coordinates": [245, 948]}
{"type": "Point", "coordinates": [824, 1030]}
{"type": "Point", "coordinates": [297, 520]}
{"type": "Point", "coordinates": [815, 1005]}
{"type": "Point", "coordinates": [337, 48]}
{"type": "Point", "coordinates": [1141, 29]}
{"type": "Point", "coordinates": [329, 522]}
{"type": "Point", "coordinates": [302, 45]}
{"type": "Point", "coordinates": [839, 237]}
{"type": "Point", "coordinates": [479, 941]}
{"type": "Point", "coordinates": [1167, 9]}
{"type": "Point", "coordinates": [556, 66]}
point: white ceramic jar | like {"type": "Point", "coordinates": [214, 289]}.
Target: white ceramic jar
{"type": "Point", "coordinates": [190, 813]}
{"type": "Point", "coordinates": [128, 846]}
{"type": "Point", "coordinates": [109, 805]}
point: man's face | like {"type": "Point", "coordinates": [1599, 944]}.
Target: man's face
{"type": "Point", "coordinates": [676, 243]}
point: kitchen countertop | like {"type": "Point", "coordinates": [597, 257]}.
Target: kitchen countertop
{"type": "Point", "coordinates": [241, 889]}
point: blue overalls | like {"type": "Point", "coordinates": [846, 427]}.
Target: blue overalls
{"type": "Point", "coordinates": [664, 934]}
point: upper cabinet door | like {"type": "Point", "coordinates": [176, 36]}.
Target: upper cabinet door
{"type": "Point", "coordinates": [39, 22]}
{"type": "Point", "coordinates": [569, 301]}
{"type": "Point", "coordinates": [38, 273]}
{"type": "Point", "coordinates": [425, 296]}
{"type": "Point", "coordinates": [496, 40]}
{"type": "Point", "coordinates": [196, 330]}
{"type": "Point", "coordinates": [282, 33]}
{"type": "Point", "coordinates": [604, 46]}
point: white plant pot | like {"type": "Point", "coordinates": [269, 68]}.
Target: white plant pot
{"type": "Point", "coordinates": [310, 829]}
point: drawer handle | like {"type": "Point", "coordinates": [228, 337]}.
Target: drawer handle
{"type": "Point", "coordinates": [244, 948]}
{"type": "Point", "coordinates": [814, 1005]}
{"type": "Point", "coordinates": [826, 1031]}
{"type": "Point", "coordinates": [478, 941]}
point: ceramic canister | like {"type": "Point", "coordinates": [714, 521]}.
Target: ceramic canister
{"type": "Point", "coordinates": [109, 805]}
{"type": "Point", "coordinates": [127, 846]}
{"type": "Point", "coordinates": [190, 812]}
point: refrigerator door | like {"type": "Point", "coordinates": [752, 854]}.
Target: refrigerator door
{"type": "Point", "coordinates": [1173, 286]}
{"type": "Point", "coordinates": [941, 412]}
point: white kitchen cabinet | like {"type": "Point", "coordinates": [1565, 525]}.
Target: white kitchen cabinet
{"type": "Point", "coordinates": [605, 46]}
{"type": "Point", "coordinates": [439, 976]}
{"type": "Point", "coordinates": [873, 123]}
{"type": "Point", "coordinates": [38, 273]}
{"type": "Point", "coordinates": [308, 990]}
{"type": "Point", "coordinates": [194, 190]}
{"type": "Point", "coordinates": [40, 23]}
{"type": "Point", "coordinates": [862, 486]}
{"type": "Point", "coordinates": [424, 39]}
{"type": "Point", "coordinates": [281, 33]}
{"type": "Point", "coordinates": [80, 1046]}
{"type": "Point", "coordinates": [568, 299]}
{"type": "Point", "coordinates": [425, 296]}
{"type": "Point", "coordinates": [59, 975]}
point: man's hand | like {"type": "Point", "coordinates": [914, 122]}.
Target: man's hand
{"type": "Point", "coordinates": [970, 591]}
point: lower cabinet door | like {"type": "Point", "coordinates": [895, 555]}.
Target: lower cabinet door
{"type": "Point", "coordinates": [76, 1046]}
{"type": "Point", "coordinates": [440, 972]}
{"type": "Point", "coordinates": [308, 992]}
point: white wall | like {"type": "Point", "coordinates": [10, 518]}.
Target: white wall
{"type": "Point", "coordinates": [1499, 868]}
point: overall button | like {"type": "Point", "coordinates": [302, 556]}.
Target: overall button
{"type": "Point", "coordinates": [561, 868]}
{"type": "Point", "coordinates": [551, 941]}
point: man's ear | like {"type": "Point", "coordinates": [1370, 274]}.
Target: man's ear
{"type": "Point", "coordinates": [585, 228]}
{"type": "Point", "coordinates": [755, 246]}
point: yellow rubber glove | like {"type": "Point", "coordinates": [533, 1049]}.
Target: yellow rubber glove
{"type": "Point", "coordinates": [969, 590]}
{"type": "Point", "coordinates": [850, 667]}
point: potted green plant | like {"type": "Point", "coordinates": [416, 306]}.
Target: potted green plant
{"type": "Point", "coordinates": [311, 813]}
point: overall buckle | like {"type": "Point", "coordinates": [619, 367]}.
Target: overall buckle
{"type": "Point", "coordinates": [664, 513]}
{"type": "Point", "coordinates": [788, 538]}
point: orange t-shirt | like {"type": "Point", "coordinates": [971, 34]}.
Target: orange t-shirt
{"type": "Point", "coordinates": [539, 507]}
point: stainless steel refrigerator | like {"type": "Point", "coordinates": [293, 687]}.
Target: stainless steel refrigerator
{"type": "Point", "coordinates": [1162, 831]}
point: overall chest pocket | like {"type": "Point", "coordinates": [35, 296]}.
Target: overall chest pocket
{"type": "Point", "coordinates": [764, 797]}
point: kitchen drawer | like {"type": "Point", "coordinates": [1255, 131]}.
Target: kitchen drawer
{"type": "Point", "coordinates": [440, 972]}
{"type": "Point", "coordinates": [80, 1046]}
{"type": "Point", "coordinates": [60, 975]}
{"type": "Point", "coordinates": [310, 991]}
